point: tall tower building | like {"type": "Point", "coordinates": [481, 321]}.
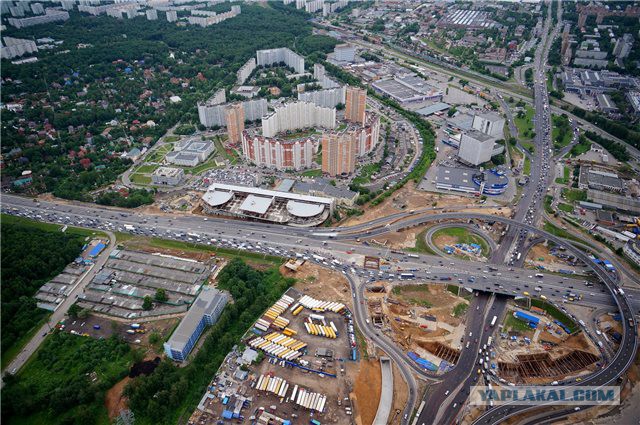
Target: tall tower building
{"type": "Point", "coordinates": [339, 152]}
{"type": "Point", "coordinates": [234, 115]}
{"type": "Point", "coordinates": [356, 102]}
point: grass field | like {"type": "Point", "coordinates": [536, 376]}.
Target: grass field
{"type": "Point", "coordinates": [207, 165]}
{"type": "Point", "coordinates": [515, 324]}
{"type": "Point", "coordinates": [526, 169]}
{"type": "Point", "coordinates": [232, 156]}
{"type": "Point", "coordinates": [463, 235]}
{"type": "Point", "coordinates": [574, 195]}
{"type": "Point", "coordinates": [158, 154]}
{"type": "Point", "coordinates": [565, 207]}
{"type": "Point", "coordinates": [312, 173]}
{"type": "Point", "coordinates": [525, 123]}
{"type": "Point", "coordinates": [192, 247]}
{"type": "Point", "coordinates": [421, 244]}
{"type": "Point", "coordinates": [147, 168]}
{"type": "Point", "coordinates": [140, 178]}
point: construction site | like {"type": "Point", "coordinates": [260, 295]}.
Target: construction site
{"type": "Point", "coordinates": [299, 360]}
{"type": "Point", "coordinates": [427, 321]}
{"type": "Point", "coordinates": [548, 256]}
{"type": "Point", "coordinates": [535, 346]}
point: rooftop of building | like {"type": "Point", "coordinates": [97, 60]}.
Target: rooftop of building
{"type": "Point", "coordinates": [478, 135]}
{"type": "Point", "coordinates": [204, 304]}
{"type": "Point", "coordinates": [168, 171]}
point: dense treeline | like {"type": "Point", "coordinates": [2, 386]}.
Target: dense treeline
{"type": "Point", "coordinates": [618, 151]}
{"type": "Point", "coordinates": [176, 390]}
{"type": "Point", "coordinates": [135, 198]}
{"type": "Point", "coordinates": [30, 257]}
{"type": "Point", "coordinates": [616, 129]}
{"type": "Point", "coordinates": [58, 384]}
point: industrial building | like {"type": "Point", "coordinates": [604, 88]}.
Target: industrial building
{"type": "Point", "coordinates": [599, 179]}
{"type": "Point", "coordinates": [345, 53]}
{"type": "Point", "coordinates": [205, 311]}
{"type": "Point", "coordinates": [266, 205]}
{"type": "Point", "coordinates": [323, 187]}
{"type": "Point", "coordinates": [408, 89]}
{"type": "Point", "coordinates": [190, 152]}
{"type": "Point", "coordinates": [475, 147]}
{"type": "Point", "coordinates": [275, 56]}
{"type": "Point", "coordinates": [632, 250]}
{"type": "Point", "coordinates": [167, 176]}
{"type": "Point", "coordinates": [489, 123]}
{"type": "Point", "coordinates": [296, 115]}
{"type": "Point", "coordinates": [466, 180]}
{"type": "Point", "coordinates": [584, 81]}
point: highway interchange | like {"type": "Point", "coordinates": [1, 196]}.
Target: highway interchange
{"type": "Point", "coordinates": [341, 249]}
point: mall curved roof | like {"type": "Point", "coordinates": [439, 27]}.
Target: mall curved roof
{"type": "Point", "coordinates": [304, 210]}
{"type": "Point", "coordinates": [217, 197]}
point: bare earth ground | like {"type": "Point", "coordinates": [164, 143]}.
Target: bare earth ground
{"type": "Point", "coordinates": [320, 283]}
{"type": "Point", "coordinates": [114, 401]}
{"type": "Point", "coordinates": [366, 391]}
{"type": "Point", "coordinates": [405, 199]}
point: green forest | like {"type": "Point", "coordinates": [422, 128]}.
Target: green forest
{"type": "Point", "coordinates": [30, 257]}
{"type": "Point", "coordinates": [178, 390]}
{"type": "Point", "coordinates": [66, 381]}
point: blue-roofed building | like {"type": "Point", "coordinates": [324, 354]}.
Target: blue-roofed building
{"type": "Point", "coordinates": [96, 250]}
{"type": "Point", "coordinates": [205, 311]}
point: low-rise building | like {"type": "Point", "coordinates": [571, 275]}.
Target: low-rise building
{"type": "Point", "coordinates": [167, 176]}
{"type": "Point", "coordinates": [205, 311]}
{"type": "Point", "coordinates": [190, 152]}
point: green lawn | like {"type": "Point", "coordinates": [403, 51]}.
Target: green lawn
{"type": "Point", "coordinates": [574, 195]}
{"type": "Point", "coordinates": [231, 156]}
{"type": "Point", "coordinates": [565, 179]}
{"type": "Point", "coordinates": [171, 139]}
{"type": "Point", "coordinates": [565, 207]}
{"type": "Point", "coordinates": [526, 169]}
{"type": "Point", "coordinates": [460, 309]}
{"type": "Point", "coordinates": [548, 199]}
{"type": "Point", "coordinates": [561, 233]}
{"type": "Point", "coordinates": [223, 252]}
{"type": "Point", "coordinates": [515, 324]}
{"type": "Point", "coordinates": [529, 146]}
{"type": "Point", "coordinates": [421, 244]}
{"type": "Point", "coordinates": [312, 173]}
{"type": "Point", "coordinates": [158, 154]}
{"type": "Point", "coordinates": [463, 235]}
{"type": "Point", "coordinates": [525, 123]}
{"type": "Point", "coordinates": [561, 131]}
{"type": "Point", "coordinates": [366, 172]}
{"type": "Point", "coordinates": [147, 168]}
{"type": "Point", "coordinates": [140, 178]}
{"type": "Point", "coordinates": [207, 165]}
{"type": "Point", "coordinates": [581, 147]}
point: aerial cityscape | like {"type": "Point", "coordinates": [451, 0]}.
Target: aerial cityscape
{"type": "Point", "coordinates": [283, 212]}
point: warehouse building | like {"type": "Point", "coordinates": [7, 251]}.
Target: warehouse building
{"type": "Point", "coordinates": [408, 89]}
{"type": "Point", "coordinates": [599, 179]}
{"type": "Point", "coordinates": [205, 311]}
